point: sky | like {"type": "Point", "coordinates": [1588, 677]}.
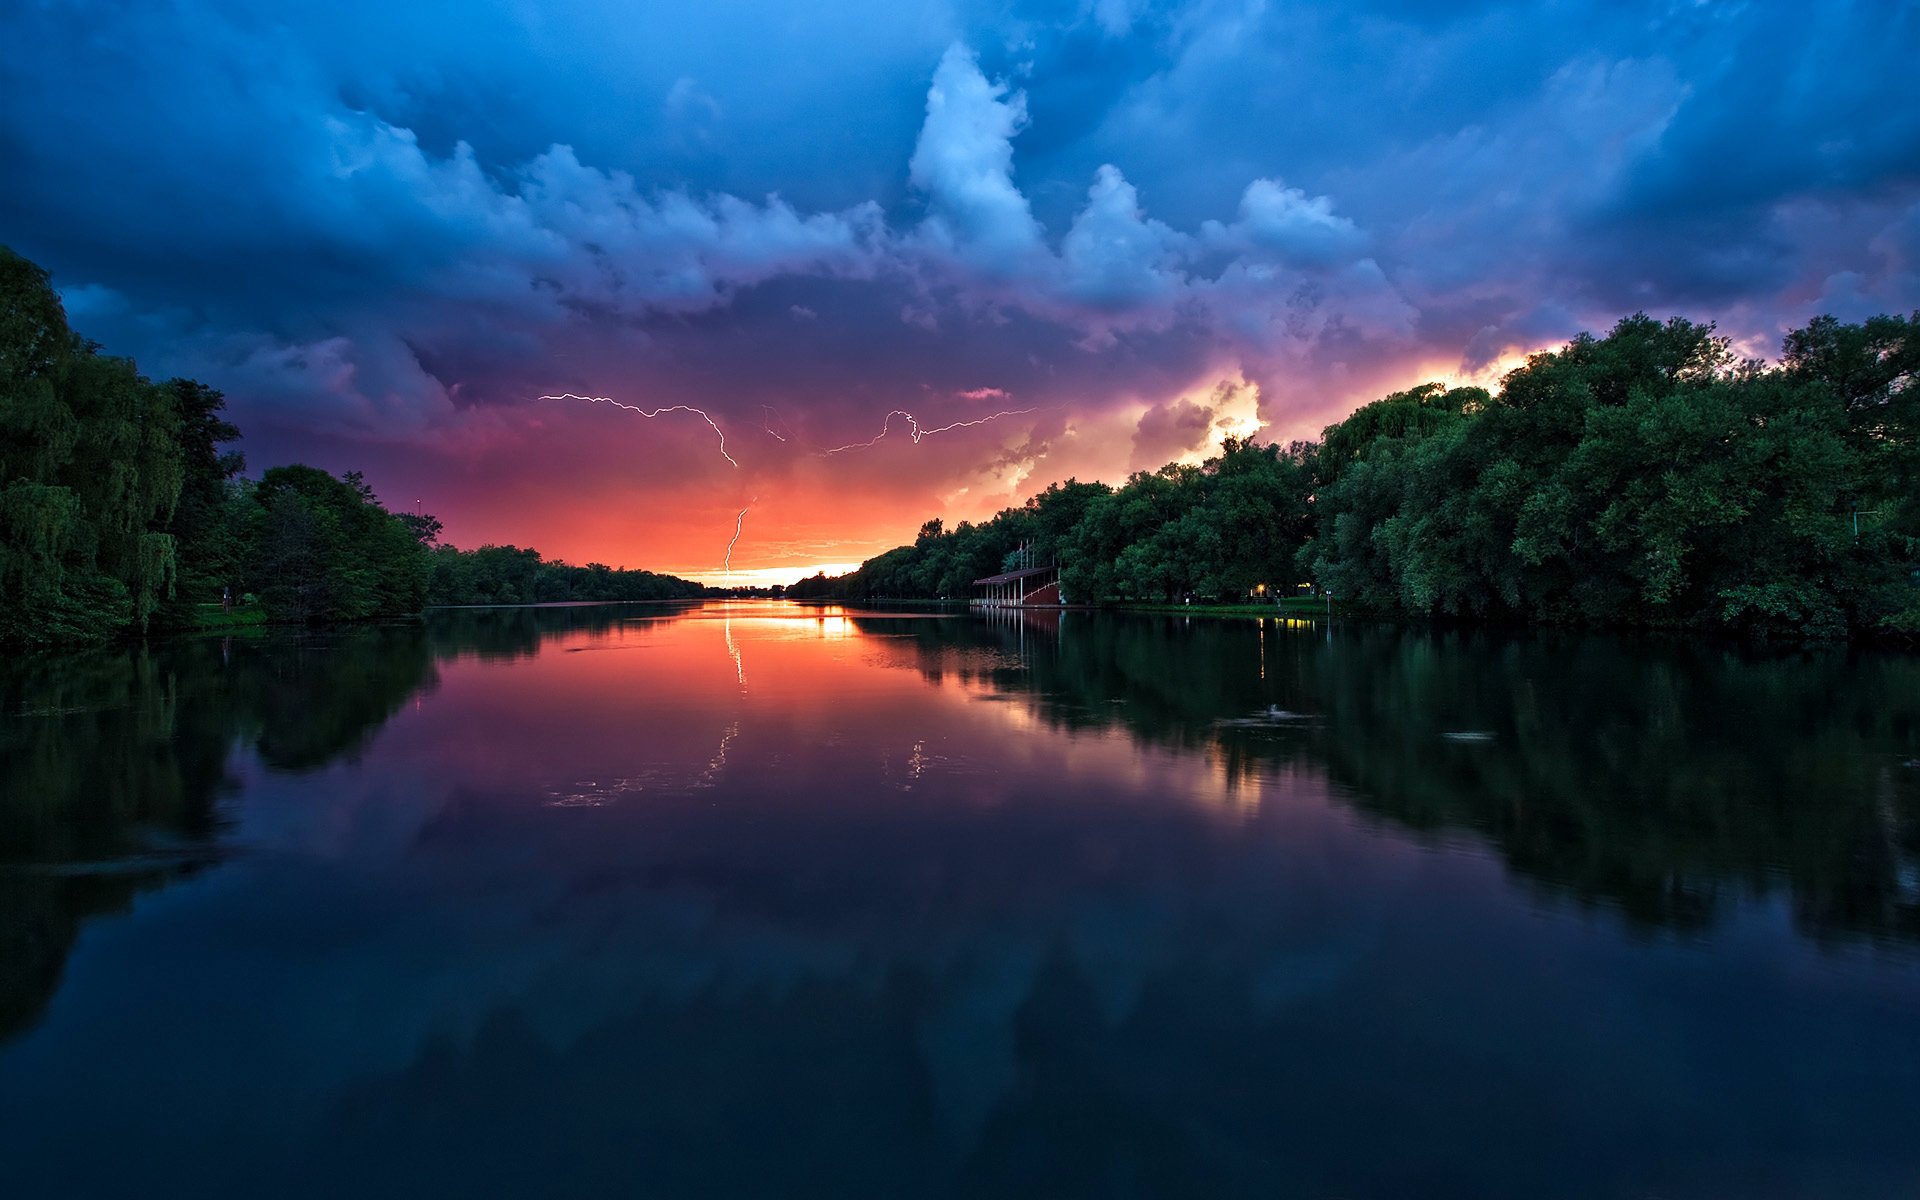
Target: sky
{"type": "Point", "coordinates": [1053, 240]}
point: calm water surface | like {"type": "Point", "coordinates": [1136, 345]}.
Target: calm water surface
{"type": "Point", "coordinates": [758, 900]}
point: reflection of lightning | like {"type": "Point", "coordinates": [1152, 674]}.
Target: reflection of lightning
{"type": "Point", "coordinates": [654, 413]}
{"type": "Point", "coordinates": [916, 432]}
{"type": "Point", "coordinates": [719, 760]}
{"type": "Point", "coordinates": [739, 668]}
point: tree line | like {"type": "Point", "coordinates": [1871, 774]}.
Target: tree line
{"type": "Point", "coordinates": [1648, 478]}
{"type": "Point", "coordinates": [122, 509]}
{"type": "Point", "coordinates": [511, 575]}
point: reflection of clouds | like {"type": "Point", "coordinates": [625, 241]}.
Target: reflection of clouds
{"type": "Point", "coordinates": [1128, 872]}
{"type": "Point", "coordinates": [731, 918]}
{"type": "Point", "coordinates": [1053, 848]}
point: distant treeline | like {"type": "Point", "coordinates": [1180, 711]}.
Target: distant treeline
{"type": "Point", "coordinates": [510, 575]}
{"type": "Point", "coordinates": [121, 510]}
{"type": "Point", "coordinates": [1647, 478]}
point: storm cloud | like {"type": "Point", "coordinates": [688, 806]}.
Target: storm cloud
{"type": "Point", "coordinates": [385, 229]}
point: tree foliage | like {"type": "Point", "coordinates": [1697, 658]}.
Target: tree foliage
{"type": "Point", "coordinates": [328, 550]}
{"type": "Point", "coordinates": [120, 506]}
{"type": "Point", "coordinates": [91, 469]}
{"type": "Point", "coordinates": [511, 575]}
{"type": "Point", "coordinates": [1649, 477]}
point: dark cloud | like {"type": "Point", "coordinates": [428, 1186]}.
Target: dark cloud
{"type": "Point", "coordinates": [387, 224]}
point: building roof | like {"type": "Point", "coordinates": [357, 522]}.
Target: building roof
{"type": "Point", "coordinates": [1010, 576]}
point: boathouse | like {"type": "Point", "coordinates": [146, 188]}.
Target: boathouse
{"type": "Point", "coordinates": [1031, 587]}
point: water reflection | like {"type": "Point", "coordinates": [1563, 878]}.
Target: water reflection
{"type": "Point", "coordinates": [748, 898]}
{"type": "Point", "coordinates": [113, 764]}
{"type": "Point", "coordinates": [1653, 777]}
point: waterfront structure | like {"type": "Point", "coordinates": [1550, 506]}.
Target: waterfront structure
{"type": "Point", "coordinates": [1029, 587]}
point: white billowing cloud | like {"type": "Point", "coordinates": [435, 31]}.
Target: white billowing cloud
{"type": "Point", "coordinates": [523, 249]}
{"type": "Point", "coordinates": [1287, 225]}
{"type": "Point", "coordinates": [568, 234]}
{"type": "Point", "coordinates": [679, 253]}
{"type": "Point", "coordinates": [554, 241]}
{"type": "Point", "coordinates": [963, 162]}
{"type": "Point", "coordinates": [1293, 267]}
{"type": "Point", "coordinates": [1114, 256]}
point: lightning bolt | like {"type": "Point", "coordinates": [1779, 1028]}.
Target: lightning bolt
{"type": "Point", "coordinates": [885, 424]}
{"type": "Point", "coordinates": [917, 432]}
{"type": "Point", "coordinates": [634, 408]}
{"type": "Point", "coordinates": [737, 521]}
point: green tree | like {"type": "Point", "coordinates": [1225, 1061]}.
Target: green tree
{"type": "Point", "coordinates": [90, 472]}
{"type": "Point", "coordinates": [211, 524]}
{"type": "Point", "coordinates": [328, 551]}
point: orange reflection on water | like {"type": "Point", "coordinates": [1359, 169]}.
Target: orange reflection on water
{"type": "Point", "coordinates": [751, 698]}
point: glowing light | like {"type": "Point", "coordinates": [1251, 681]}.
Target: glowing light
{"type": "Point", "coordinates": [915, 431]}
{"type": "Point", "coordinates": [718, 762]}
{"type": "Point", "coordinates": [728, 566]}
{"type": "Point", "coordinates": [634, 408]}
{"type": "Point", "coordinates": [739, 666]}
{"type": "Point", "coordinates": [776, 427]}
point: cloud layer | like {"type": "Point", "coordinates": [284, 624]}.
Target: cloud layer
{"type": "Point", "coordinates": [384, 230]}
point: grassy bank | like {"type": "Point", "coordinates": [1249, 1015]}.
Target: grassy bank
{"type": "Point", "coordinates": [1302, 607]}
{"type": "Point", "coordinates": [214, 616]}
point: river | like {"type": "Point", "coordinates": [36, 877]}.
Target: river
{"type": "Point", "coordinates": [753, 899]}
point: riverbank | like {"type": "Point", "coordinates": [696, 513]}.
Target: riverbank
{"type": "Point", "coordinates": [215, 617]}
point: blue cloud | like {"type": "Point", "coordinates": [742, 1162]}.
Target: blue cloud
{"type": "Point", "coordinates": [377, 218]}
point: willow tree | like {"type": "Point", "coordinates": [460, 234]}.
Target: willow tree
{"type": "Point", "coordinates": [90, 472]}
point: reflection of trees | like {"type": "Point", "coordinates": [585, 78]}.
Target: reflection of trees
{"type": "Point", "coordinates": [1654, 778]}
{"type": "Point", "coordinates": [1651, 777]}
{"type": "Point", "coordinates": [96, 749]}
{"type": "Point", "coordinates": [113, 762]}
{"type": "Point", "coordinates": [309, 702]}
{"type": "Point", "coordinates": [502, 634]}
